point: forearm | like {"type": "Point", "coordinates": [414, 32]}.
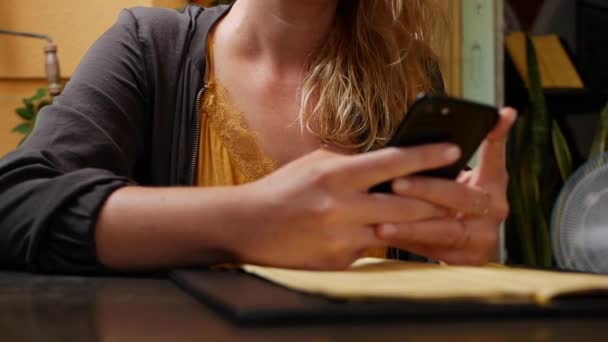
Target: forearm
{"type": "Point", "coordinates": [157, 228]}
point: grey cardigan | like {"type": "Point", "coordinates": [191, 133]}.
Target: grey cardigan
{"type": "Point", "coordinates": [129, 115]}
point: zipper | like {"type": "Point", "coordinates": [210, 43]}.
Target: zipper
{"type": "Point", "coordinates": [197, 135]}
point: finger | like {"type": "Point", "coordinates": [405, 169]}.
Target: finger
{"type": "Point", "coordinates": [465, 177]}
{"type": "Point", "coordinates": [452, 257]}
{"type": "Point", "coordinates": [501, 131]}
{"type": "Point", "coordinates": [368, 169]}
{"type": "Point", "coordinates": [463, 198]}
{"type": "Point", "coordinates": [376, 208]}
{"type": "Point", "coordinates": [492, 155]}
{"type": "Point", "coordinates": [367, 238]}
{"type": "Point", "coordinates": [442, 233]}
{"type": "Point", "coordinates": [482, 248]}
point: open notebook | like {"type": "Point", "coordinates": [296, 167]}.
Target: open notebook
{"type": "Point", "coordinates": [387, 279]}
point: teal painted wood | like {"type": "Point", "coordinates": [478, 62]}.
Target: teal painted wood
{"type": "Point", "coordinates": [482, 50]}
{"type": "Point", "coordinates": [482, 61]}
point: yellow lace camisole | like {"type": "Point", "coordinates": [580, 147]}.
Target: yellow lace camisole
{"type": "Point", "coordinates": [230, 153]}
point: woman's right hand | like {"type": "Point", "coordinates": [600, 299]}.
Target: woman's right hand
{"type": "Point", "coordinates": [316, 212]}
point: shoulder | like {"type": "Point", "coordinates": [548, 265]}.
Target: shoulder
{"type": "Point", "coordinates": [151, 21]}
{"type": "Point", "coordinates": [169, 29]}
{"type": "Point", "coordinates": [160, 30]}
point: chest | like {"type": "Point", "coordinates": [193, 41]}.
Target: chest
{"type": "Point", "coordinates": [270, 111]}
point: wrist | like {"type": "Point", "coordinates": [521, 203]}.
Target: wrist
{"type": "Point", "coordinates": [249, 211]}
{"type": "Point", "coordinates": [233, 220]}
{"type": "Point", "coordinates": [156, 228]}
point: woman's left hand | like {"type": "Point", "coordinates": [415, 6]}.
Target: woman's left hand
{"type": "Point", "coordinates": [478, 200]}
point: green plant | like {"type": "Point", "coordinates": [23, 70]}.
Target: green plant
{"type": "Point", "coordinates": [541, 165]}
{"type": "Point", "coordinates": [29, 112]}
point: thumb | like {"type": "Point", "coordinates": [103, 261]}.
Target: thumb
{"type": "Point", "coordinates": [492, 154]}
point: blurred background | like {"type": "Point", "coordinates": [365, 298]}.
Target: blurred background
{"type": "Point", "coordinates": [472, 53]}
{"type": "Point", "coordinates": [74, 26]}
{"type": "Point", "coordinates": [547, 58]}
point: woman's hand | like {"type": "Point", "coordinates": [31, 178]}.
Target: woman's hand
{"type": "Point", "coordinates": [478, 201]}
{"type": "Point", "coordinates": [316, 212]}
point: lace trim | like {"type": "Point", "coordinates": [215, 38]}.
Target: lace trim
{"type": "Point", "coordinates": [242, 144]}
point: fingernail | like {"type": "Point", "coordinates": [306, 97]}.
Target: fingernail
{"type": "Point", "coordinates": [388, 230]}
{"type": "Point", "coordinates": [452, 153]}
{"type": "Point", "coordinates": [402, 185]}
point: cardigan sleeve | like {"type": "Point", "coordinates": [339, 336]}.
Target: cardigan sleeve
{"type": "Point", "coordinates": [83, 147]}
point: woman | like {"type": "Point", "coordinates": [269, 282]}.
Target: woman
{"type": "Point", "coordinates": [165, 100]}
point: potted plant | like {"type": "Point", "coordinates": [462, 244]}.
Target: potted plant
{"type": "Point", "coordinates": [539, 166]}
{"type": "Point", "coordinates": [29, 112]}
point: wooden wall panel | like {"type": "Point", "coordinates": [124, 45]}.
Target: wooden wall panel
{"type": "Point", "coordinates": [449, 49]}
{"type": "Point", "coordinates": [74, 25]}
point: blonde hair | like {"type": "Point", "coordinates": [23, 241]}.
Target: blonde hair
{"type": "Point", "coordinates": [374, 62]}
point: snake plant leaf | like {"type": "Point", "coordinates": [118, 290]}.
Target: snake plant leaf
{"type": "Point", "coordinates": [516, 142]}
{"type": "Point", "coordinates": [519, 238]}
{"type": "Point", "coordinates": [600, 141]}
{"type": "Point", "coordinates": [544, 252]}
{"type": "Point", "coordinates": [538, 128]}
{"type": "Point", "coordinates": [520, 227]}
{"type": "Point", "coordinates": [561, 151]}
{"type": "Point", "coordinates": [535, 219]}
{"type": "Point", "coordinates": [537, 140]}
{"type": "Point", "coordinates": [529, 193]}
{"type": "Point", "coordinates": [526, 170]}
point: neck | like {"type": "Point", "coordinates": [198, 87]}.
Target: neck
{"type": "Point", "coordinates": [285, 32]}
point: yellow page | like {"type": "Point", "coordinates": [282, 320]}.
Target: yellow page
{"type": "Point", "coordinates": [389, 279]}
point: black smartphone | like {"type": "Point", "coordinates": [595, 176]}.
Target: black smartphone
{"type": "Point", "coordinates": [435, 119]}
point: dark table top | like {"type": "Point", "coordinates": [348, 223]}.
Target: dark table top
{"type": "Point", "coordinates": [43, 308]}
